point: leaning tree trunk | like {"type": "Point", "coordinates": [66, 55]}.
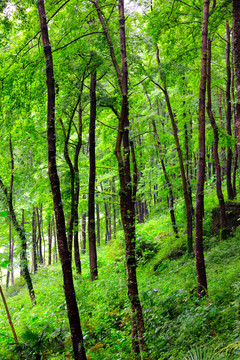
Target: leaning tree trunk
{"type": "Point", "coordinates": [72, 308]}
{"type": "Point", "coordinates": [236, 49]}
{"type": "Point", "coordinates": [92, 178]}
{"type": "Point", "coordinates": [187, 198]}
{"type": "Point", "coordinates": [199, 209]}
{"type": "Point", "coordinates": [169, 185]}
{"type": "Point", "coordinates": [19, 229]}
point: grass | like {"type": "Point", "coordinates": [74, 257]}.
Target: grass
{"type": "Point", "coordinates": [176, 319]}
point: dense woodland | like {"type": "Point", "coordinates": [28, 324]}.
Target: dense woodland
{"type": "Point", "coordinates": [119, 181]}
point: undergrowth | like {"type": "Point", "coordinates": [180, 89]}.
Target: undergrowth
{"type": "Point", "coordinates": [176, 319]}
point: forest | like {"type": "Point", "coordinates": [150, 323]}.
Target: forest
{"type": "Point", "coordinates": [120, 180]}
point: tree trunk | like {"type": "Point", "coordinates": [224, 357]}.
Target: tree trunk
{"type": "Point", "coordinates": [84, 232]}
{"type": "Point", "coordinates": [187, 199]}
{"type": "Point", "coordinates": [106, 222]}
{"type": "Point", "coordinates": [92, 178]}
{"type": "Point", "coordinates": [215, 150]}
{"type": "Point", "coordinates": [169, 185]}
{"type": "Point", "coordinates": [49, 243]}
{"type": "Point", "coordinates": [109, 214]}
{"type": "Point", "coordinates": [98, 225]}
{"type": "Point", "coordinates": [77, 189]}
{"type": "Point", "coordinates": [55, 254]}
{"type": "Point", "coordinates": [236, 50]}
{"type": "Point", "coordinates": [9, 253]}
{"type": "Point", "coordinates": [73, 314]}
{"type": "Point", "coordinates": [122, 152]}
{"type": "Point", "coordinates": [228, 115]}
{"type": "Point", "coordinates": [39, 236]}
{"type": "Point", "coordinates": [34, 240]}
{"type": "Point", "coordinates": [19, 229]}
{"type": "Point", "coordinates": [199, 209]}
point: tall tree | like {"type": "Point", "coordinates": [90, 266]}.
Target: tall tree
{"type": "Point", "coordinates": [127, 205]}
{"type": "Point", "coordinates": [236, 49]}
{"type": "Point", "coordinates": [73, 313]}
{"type": "Point", "coordinates": [19, 229]}
{"type": "Point", "coordinates": [199, 208]}
{"type": "Point", "coordinates": [229, 114]}
{"type": "Point", "coordinates": [223, 215]}
{"type": "Point", "coordinates": [34, 240]}
{"type": "Point", "coordinates": [92, 179]}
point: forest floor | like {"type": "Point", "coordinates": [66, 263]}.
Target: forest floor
{"type": "Point", "coordinates": [176, 319]}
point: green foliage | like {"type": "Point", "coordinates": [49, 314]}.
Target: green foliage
{"type": "Point", "coordinates": [42, 343]}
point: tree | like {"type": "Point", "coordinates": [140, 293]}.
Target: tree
{"type": "Point", "coordinates": [92, 178]}
{"type": "Point", "coordinates": [127, 187]}
{"type": "Point", "coordinates": [73, 314]}
{"type": "Point", "coordinates": [199, 208]}
{"type": "Point", "coordinates": [19, 229]}
{"type": "Point", "coordinates": [236, 49]}
{"type": "Point", "coordinates": [223, 215]}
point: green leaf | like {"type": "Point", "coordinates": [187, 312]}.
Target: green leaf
{"type": "Point", "coordinates": [3, 214]}
{"type": "Point", "coordinates": [4, 264]}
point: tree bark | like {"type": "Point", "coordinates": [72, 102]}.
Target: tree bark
{"type": "Point", "coordinates": [10, 253]}
{"type": "Point", "coordinates": [84, 232]}
{"type": "Point", "coordinates": [98, 225]}
{"type": "Point", "coordinates": [55, 254]}
{"type": "Point", "coordinates": [9, 319]}
{"type": "Point", "coordinates": [169, 185]}
{"type": "Point", "coordinates": [49, 243]}
{"type": "Point", "coordinates": [215, 150]}
{"type": "Point", "coordinates": [39, 236]}
{"type": "Point", "coordinates": [228, 115]}
{"type": "Point", "coordinates": [73, 314]}
{"type": "Point", "coordinates": [199, 209]}
{"type": "Point", "coordinates": [34, 240]}
{"type": "Point", "coordinates": [236, 50]}
{"type": "Point", "coordinates": [92, 179]}
{"type": "Point", "coordinates": [77, 187]}
{"type": "Point", "coordinates": [19, 229]}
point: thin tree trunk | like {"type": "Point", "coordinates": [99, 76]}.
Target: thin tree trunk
{"type": "Point", "coordinates": [83, 247]}
{"type": "Point", "coordinates": [77, 189]}
{"type": "Point", "coordinates": [235, 160]}
{"type": "Point", "coordinates": [92, 179]}
{"type": "Point", "coordinates": [9, 318]}
{"type": "Point", "coordinates": [19, 229]}
{"type": "Point", "coordinates": [49, 243]}
{"type": "Point", "coordinates": [39, 236]}
{"type": "Point", "coordinates": [12, 270]}
{"type": "Point", "coordinates": [187, 199]}
{"type": "Point", "coordinates": [73, 314]}
{"type": "Point", "coordinates": [55, 254]}
{"type": "Point", "coordinates": [199, 209]}
{"type": "Point", "coordinates": [9, 253]}
{"type": "Point", "coordinates": [109, 214]}
{"type": "Point", "coordinates": [98, 224]}
{"type": "Point", "coordinates": [236, 50]}
{"type": "Point", "coordinates": [114, 209]}
{"type": "Point", "coordinates": [229, 115]}
{"type": "Point", "coordinates": [106, 222]}
{"type": "Point", "coordinates": [215, 150]}
{"type": "Point", "coordinates": [34, 240]}
{"type": "Point", "coordinates": [169, 185]}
